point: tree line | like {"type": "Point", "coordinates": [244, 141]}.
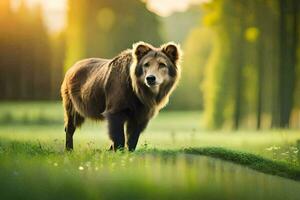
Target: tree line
{"type": "Point", "coordinates": [33, 61]}
{"type": "Point", "coordinates": [241, 62]}
{"type": "Point", "coordinates": [26, 55]}
{"type": "Point", "coordinates": [252, 75]}
{"type": "Point", "coordinates": [105, 28]}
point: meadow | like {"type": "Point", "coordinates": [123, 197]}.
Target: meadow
{"type": "Point", "coordinates": [176, 158]}
{"type": "Point", "coordinates": [241, 68]}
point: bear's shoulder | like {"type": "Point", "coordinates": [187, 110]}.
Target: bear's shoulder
{"type": "Point", "coordinates": [123, 59]}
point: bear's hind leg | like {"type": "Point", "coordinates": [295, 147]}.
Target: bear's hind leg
{"type": "Point", "coordinates": [69, 129]}
{"type": "Point", "coordinates": [73, 122]}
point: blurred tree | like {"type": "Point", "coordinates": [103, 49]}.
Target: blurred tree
{"type": "Point", "coordinates": [58, 48]}
{"type": "Point", "coordinates": [76, 31]}
{"type": "Point", "coordinates": [224, 84]}
{"type": "Point", "coordinates": [104, 28]}
{"type": "Point", "coordinates": [23, 69]}
{"type": "Point", "coordinates": [260, 64]}
{"type": "Point", "coordinates": [186, 20]}
{"type": "Point", "coordinates": [188, 95]}
{"type": "Point", "coordinates": [288, 40]}
{"type": "Point", "coordinates": [42, 59]}
{"type": "Point", "coordinates": [6, 20]}
{"type": "Point", "coordinates": [25, 53]}
{"type": "Point", "coordinates": [250, 37]}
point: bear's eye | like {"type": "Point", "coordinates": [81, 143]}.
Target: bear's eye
{"type": "Point", "coordinates": [146, 64]}
{"type": "Point", "coordinates": [162, 65]}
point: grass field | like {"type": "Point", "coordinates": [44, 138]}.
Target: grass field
{"type": "Point", "coordinates": [33, 164]}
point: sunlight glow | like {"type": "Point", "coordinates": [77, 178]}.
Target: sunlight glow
{"type": "Point", "coordinates": [165, 8]}
{"type": "Point", "coordinates": [54, 12]}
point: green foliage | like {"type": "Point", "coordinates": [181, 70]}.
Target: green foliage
{"type": "Point", "coordinates": [104, 28]}
{"type": "Point", "coordinates": [32, 170]}
{"type": "Point", "coordinates": [251, 34]}
{"type": "Point", "coordinates": [240, 64]}
{"type": "Point", "coordinates": [76, 32]}
{"type": "Point", "coordinates": [26, 54]}
{"type": "Point", "coordinates": [58, 47]}
{"type": "Point", "coordinates": [178, 26]}
{"type": "Point", "coordinates": [241, 87]}
{"type": "Point", "coordinates": [213, 84]}
{"type": "Point", "coordinates": [188, 95]}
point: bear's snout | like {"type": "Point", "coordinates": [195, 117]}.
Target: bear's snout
{"type": "Point", "coordinates": [151, 80]}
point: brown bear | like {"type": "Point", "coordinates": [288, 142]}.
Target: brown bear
{"type": "Point", "coordinates": [127, 90]}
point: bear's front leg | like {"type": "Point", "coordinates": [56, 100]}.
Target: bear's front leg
{"type": "Point", "coordinates": [134, 128]}
{"type": "Point", "coordinates": [116, 130]}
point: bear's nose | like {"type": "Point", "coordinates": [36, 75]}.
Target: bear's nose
{"type": "Point", "coordinates": [150, 79]}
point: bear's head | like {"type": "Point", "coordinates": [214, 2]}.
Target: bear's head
{"type": "Point", "coordinates": [155, 71]}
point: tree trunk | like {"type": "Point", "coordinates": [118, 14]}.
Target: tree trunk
{"type": "Point", "coordinates": [287, 59]}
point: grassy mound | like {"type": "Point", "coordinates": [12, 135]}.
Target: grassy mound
{"type": "Point", "coordinates": [252, 161]}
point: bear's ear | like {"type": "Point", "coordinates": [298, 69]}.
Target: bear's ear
{"type": "Point", "coordinates": [173, 51]}
{"type": "Point", "coordinates": [140, 49]}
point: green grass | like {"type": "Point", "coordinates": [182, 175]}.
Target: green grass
{"type": "Point", "coordinates": [176, 159]}
{"type": "Point", "coordinates": [28, 113]}
{"type": "Point", "coordinates": [30, 170]}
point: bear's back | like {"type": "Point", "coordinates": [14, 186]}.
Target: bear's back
{"type": "Point", "coordinates": [83, 86]}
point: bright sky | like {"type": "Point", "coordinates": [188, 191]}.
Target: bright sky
{"type": "Point", "coordinates": [167, 7]}
{"type": "Point", "coordinates": [55, 10]}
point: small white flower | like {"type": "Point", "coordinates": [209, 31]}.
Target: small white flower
{"type": "Point", "coordinates": [269, 148]}
{"type": "Point", "coordinates": [284, 153]}
{"type": "Point", "coordinates": [81, 168]}
{"type": "Point", "coordinates": [276, 148]}
{"type": "Point", "coordinates": [88, 164]}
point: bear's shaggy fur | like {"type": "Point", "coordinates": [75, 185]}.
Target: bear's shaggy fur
{"type": "Point", "coordinates": [115, 90]}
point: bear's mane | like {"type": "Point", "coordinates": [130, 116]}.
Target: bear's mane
{"type": "Point", "coordinates": [127, 62]}
{"type": "Point", "coordinates": [149, 99]}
